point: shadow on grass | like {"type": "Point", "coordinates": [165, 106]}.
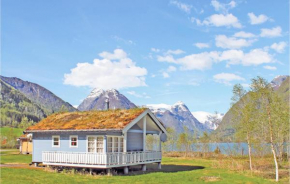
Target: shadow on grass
{"type": "Point", "coordinates": [133, 170]}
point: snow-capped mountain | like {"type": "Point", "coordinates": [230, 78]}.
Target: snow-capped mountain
{"type": "Point", "coordinates": [177, 116]}
{"type": "Point", "coordinates": [96, 100]}
{"type": "Point", "coordinates": [210, 120]}
{"type": "Point", "coordinates": [278, 80]}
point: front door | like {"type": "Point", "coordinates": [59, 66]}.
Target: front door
{"type": "Point", "coordinates": [95, 144]}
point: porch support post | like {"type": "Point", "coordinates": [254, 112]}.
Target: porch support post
{"type": "Point", "coordinates": [109, 172]}
{"type": "Point", "coordinates": [126, 170]}
{"type": "Point", "coordinates": [144, 167]}
{"type": "Point", "coordinates": [105, 149]}
{"type": "Point", "coordinates": [36, 164]}
{"type": "Point", "coordinates": [160, 141]}
{"type": "Point", "coordinates": [125, 142]}
{"type": "Point", "coordinates": [105, 144]}
{"type": "Point", "coordinates": [159, 165]}
{"type": "Point", "coordinates": [91, 171]}
{"type": "Point", "coordinates": [144, 133]}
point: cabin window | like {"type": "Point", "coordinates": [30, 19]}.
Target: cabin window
{"type": "Point", "coordinates": [95, 144]}
{"type": "Point", "coordinates": [115, 144]}
{"type": "Point", "coordinates": [73, 141]}
{"type": "Point", "coordinates": [55, 141]}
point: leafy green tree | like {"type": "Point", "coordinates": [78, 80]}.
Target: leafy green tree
{"type": "Point", "coordinates": [273, 114]}
{"type": "Point", "coordinates": [171, 139]}
{"type": "Point", "coordinates": [204, 140]}
{"type": "Point", "coordinates": [185, 141]}
{"type": "Point", "coordinates": [244, 116]}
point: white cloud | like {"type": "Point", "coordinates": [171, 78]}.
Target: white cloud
{"type": "Point", "coordinates": [165, 75]}
{"type": "Point", "coordinates": [75, 106]}
{"type": "Point", "coordinates": [227, 78]}
{"type": "Point", "coordinates": [270, 67]}
{"type": "Point", "coordinates": [222, 7]}
{"type": "Point", "coordinates": [155, 50]}
{"type": "Point", "coordinates": [243, 34]}
{"type": "Point", "coordinates": [279, 47]}
{"type": "Point", "coordinates": [218, 20]}
{"type": "Point", "coordinates": [257, 57]}
{"type": "Point", "coordinates": [202, 45]}
{"type": "Point", "coordinates": [167, 58]}
{"type": "Point", "coordinates": [201, 61]}
{"type": "Point", "coordinates": [175, 52]}
{"type": "Point", "coordinates": [205, 60]}
{"type": "Point", "coordinates": [117, 55]}
{"type": "Point", "coordinates": [134, 93]}
{"type": "Point", "coordinates": [274, 32]}
{"type": "Point", "coordinates": [254, 57]}
{"type": "Point", "coordinates": [182, 6]}
{"type": "Point", "coordinates": [231, 42]}
{"type": "Point", "coordinates": [232, 56]}
{"type": "Point", "coordinates": [105, 73]}
{"type": "Point", "coordinates": [171, 69]}
{"type": "Point", "coordinates": [257, 19]}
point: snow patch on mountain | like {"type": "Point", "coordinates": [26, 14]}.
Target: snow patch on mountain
{"type": "Point", "coordinates": [96, 100]}
{"type": "Point", "coordinates": [278, 80]}
{"type": "Point", "coordinates": [177, 116]}
{"type": "Point", "coordinates": [210, 120]}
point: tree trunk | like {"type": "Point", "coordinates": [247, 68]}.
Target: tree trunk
{"type": "Point", "coordinates": [272, 143]}
{"type": "Point", "coordinates": [250, 151]}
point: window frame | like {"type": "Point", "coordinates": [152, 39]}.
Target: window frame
{"type": "Point", "coordinates": [120, 141]}
{"type": "Point", "coordinates": [52, 138]}
{"type": "Point", "coordinates": [77, 141]}
{"type": "Point", "coordinates": [95, 143]}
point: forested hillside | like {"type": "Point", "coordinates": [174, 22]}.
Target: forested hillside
{"type": "Point", "coordinates": [15, 106]}
{"type": "Point", "coordinates": [226, 130]}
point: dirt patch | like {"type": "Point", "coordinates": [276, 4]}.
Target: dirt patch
{"type": "Point", "coordinates": [210, 178]}
{"type": "Point", "coordinates": [26, 166]}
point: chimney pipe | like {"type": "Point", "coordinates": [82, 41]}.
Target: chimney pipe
{"type": "Point", "coordinates": [107, 104]}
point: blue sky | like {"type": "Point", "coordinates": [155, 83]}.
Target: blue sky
{"type": "Point", "coordinates": [152, 51]}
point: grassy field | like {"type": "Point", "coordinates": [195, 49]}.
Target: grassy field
{"type": "Point", "coordinates": [13, 157]}
{"type": "Point", "coordinates": [174, 170]}
{"type": "Point", "coordinates": [4, 131]}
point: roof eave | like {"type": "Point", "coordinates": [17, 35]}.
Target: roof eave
{"type": "Point", "coordinates": [72, 130]}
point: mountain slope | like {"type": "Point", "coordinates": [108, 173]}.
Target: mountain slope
{"type": "Point", "coordinates": [96, 100]}
{"type": "Point", "coordinates": [177, 116]}
{"type": "Point", "coordinates": [15, 106]}
{"type": "Point", "coordinates": [48, 101]}
{"type": "Point", "coordinates": [209, 120]}
{"type": "Point", "coordinates": [226, 129]}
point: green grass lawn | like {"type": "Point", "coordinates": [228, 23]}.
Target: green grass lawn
{"type": "Point", "coordinates": [174, 170]}
{"type": "Point", "coordinates": [13, 156]}
{"type": "Point", "coordinates": [17, 131]}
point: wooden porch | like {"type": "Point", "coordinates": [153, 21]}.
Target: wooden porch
{"type": "Point", "coordinates": [100, 160]}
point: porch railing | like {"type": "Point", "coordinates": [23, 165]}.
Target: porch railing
{"type": "Point", "coordinates": [105, 159]}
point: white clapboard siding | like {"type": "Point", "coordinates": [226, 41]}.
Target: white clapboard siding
{"type": "Point", "coordinates": [101, 159]}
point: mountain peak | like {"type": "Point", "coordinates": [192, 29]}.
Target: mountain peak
{"type": "Point", "coordinates": [96, 100]}
{"type": "Point", "coordinates": [96, 92]}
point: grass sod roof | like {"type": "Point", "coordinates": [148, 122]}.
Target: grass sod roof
{"type": "Point", "coordinates": [88, 120]}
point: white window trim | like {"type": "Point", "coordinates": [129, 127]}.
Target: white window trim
{"type": "Point", "coordinates": [87, 141]}
{"type": "Point", "coordinates": [72, 136]}
{"type": "Point", "coordinates": [52, 138]}
{"type": "Point", "coordinates": [113, 146]}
